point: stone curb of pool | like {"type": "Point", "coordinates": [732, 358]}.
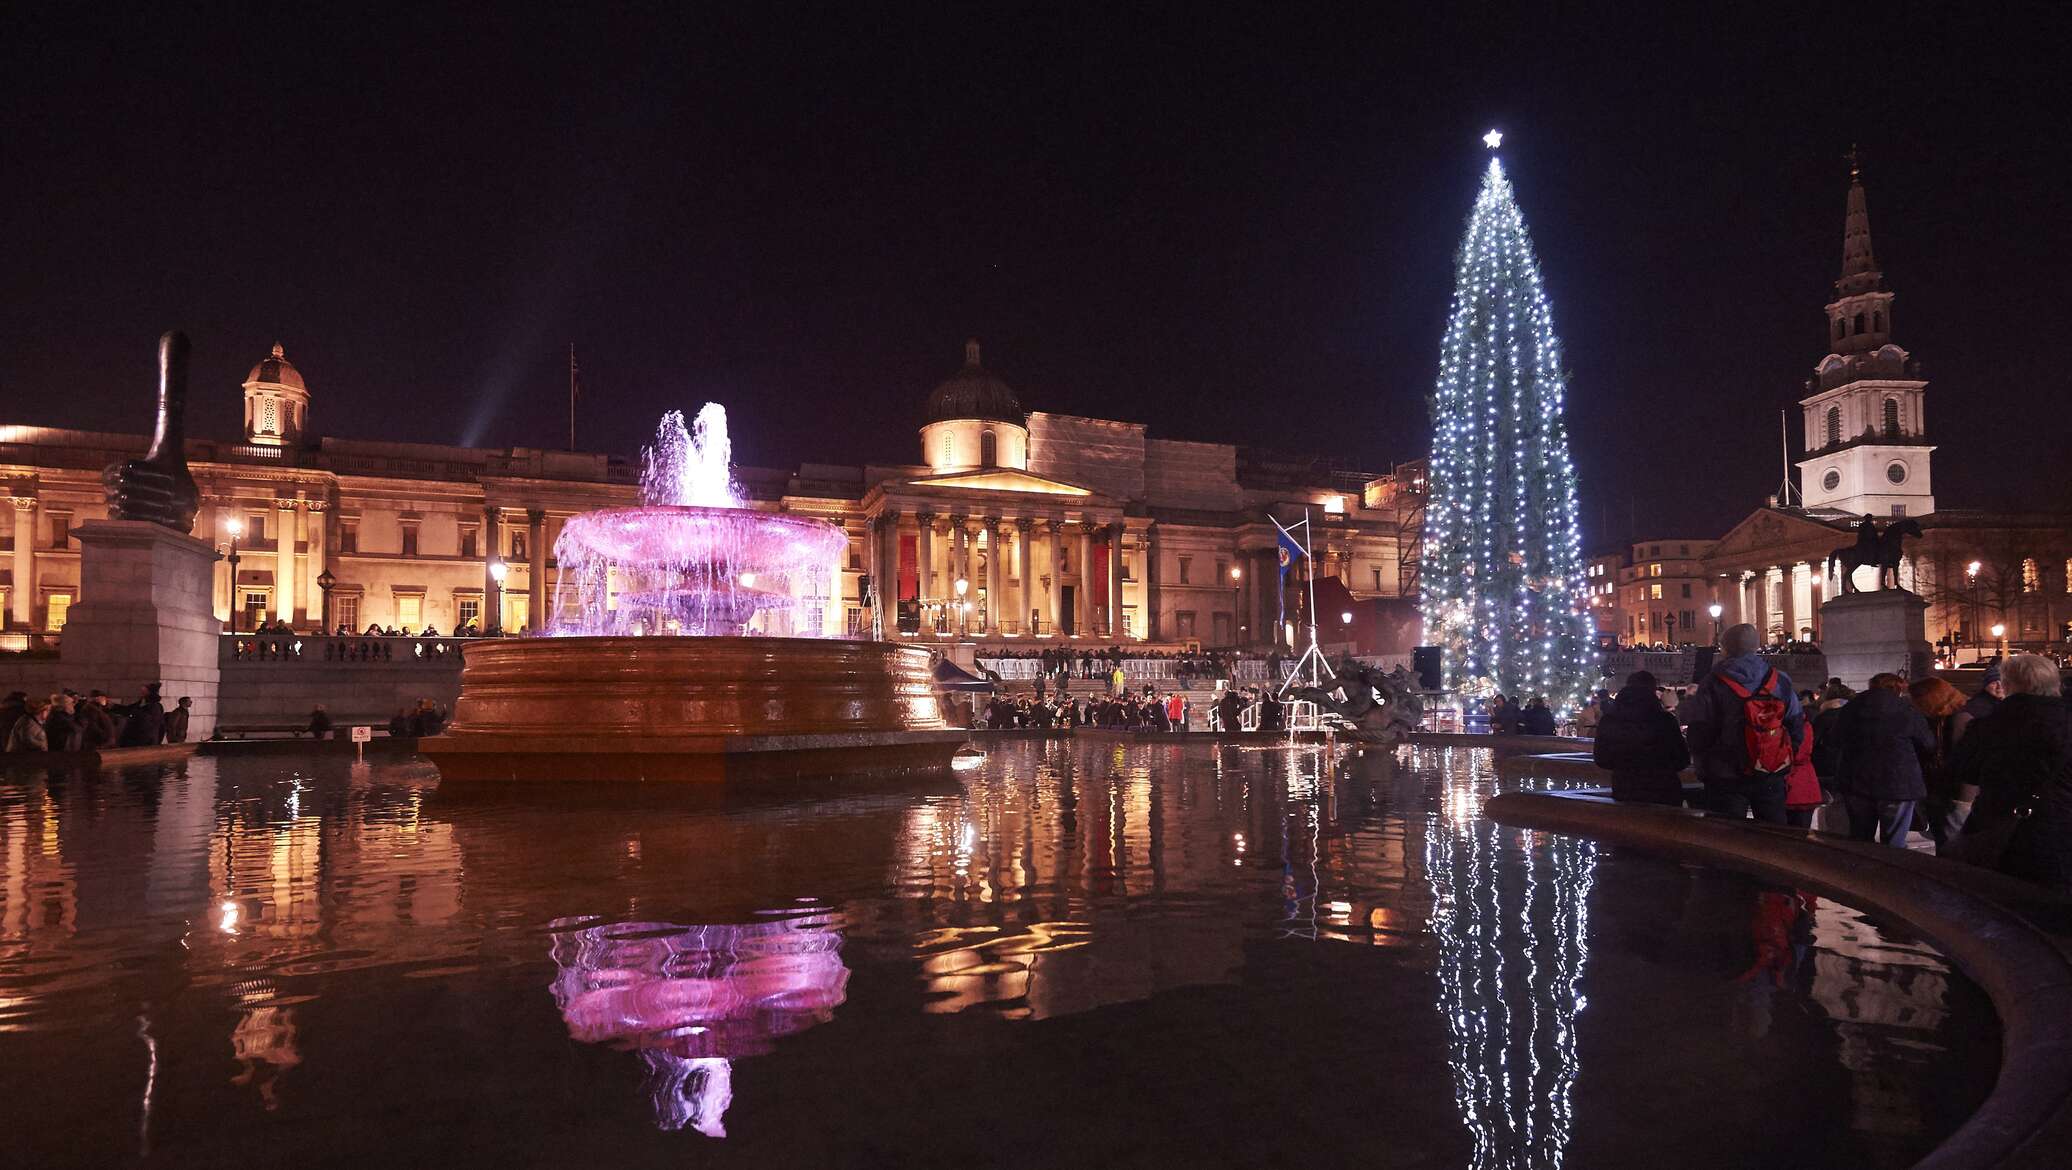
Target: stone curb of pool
{"type": "Point", "coordinates": [2011, 938]}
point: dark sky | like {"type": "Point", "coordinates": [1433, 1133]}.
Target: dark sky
{"type": "Point", "coordinates": [1234, 225]}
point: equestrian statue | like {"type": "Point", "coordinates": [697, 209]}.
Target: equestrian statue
{"type": "Point", "coordinates": [1873, 548]}
{"type": "Point", "coordinates": [159, 488]}
{"type": "Point", "coordinates": [1382, 707]}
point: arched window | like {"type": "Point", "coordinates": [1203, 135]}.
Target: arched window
{"type": "Point", "coordinates": [269, 419]}
{"type": "Point", "coordinates": [1892, 418]}
{"type": "Point", "coordinates": [1859, 322]}
{"type": "Point", "coordinates": [1841, 328]}
{"type": "Point", "coordinates": [988, 449]}
{"type": "Point", "coordinates": [1834, 425]}
{"type": "Point", "coordinates": [1878, 321]}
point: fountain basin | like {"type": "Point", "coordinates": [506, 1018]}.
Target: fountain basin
{"type": "Point", "coordinates": [690, 709]}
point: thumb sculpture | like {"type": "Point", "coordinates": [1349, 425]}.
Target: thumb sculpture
{"type": "Point", "coordinates": [158, 488]}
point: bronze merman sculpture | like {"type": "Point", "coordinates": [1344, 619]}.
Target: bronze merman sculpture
{"type": "Point", "coordinates": [158, 488]}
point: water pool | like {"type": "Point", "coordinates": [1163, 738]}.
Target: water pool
{"type": "Point", "coordinates": [1080, 952]}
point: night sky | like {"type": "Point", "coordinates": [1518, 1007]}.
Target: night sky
{"type": "Point", "coordinates": [1234, 225]}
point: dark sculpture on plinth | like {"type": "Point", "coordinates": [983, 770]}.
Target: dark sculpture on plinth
{"type": "Point", "coordinates": [1382, 708]}
{"type": "Point", "coordinates": [1872, 547]}
{"type": "Point", "coordinates": [158, 487]}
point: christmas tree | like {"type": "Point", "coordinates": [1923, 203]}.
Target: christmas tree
{"type": "Point", "coordinates": [1503, 589]}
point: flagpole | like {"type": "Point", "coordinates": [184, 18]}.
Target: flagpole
{"type": "Point", "coordinates": [571, 395]}
{"type": "Point", "coordinates": [1309, 557]}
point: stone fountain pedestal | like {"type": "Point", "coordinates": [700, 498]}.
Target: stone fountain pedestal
{"type": "Point", "coordinates": [691, 709]}
{"type": "Point", "coordinates": [1862, 634]}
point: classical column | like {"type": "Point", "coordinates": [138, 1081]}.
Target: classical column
{"type": "Point", "coordinates": [284, 561]}
{"type": "Point", "coordinates": [1787, 576]}
{"type": "Point", "coordinates": [1083, 606]}
{"type": "Point", "coordinates": [996, 597]}
{"type": "Point", "coordinates": [1025, 597]}
{"type": "Point", "coordinates": [1151, 584]}
{"type": "Point", "coordinates": [536, 568]}
{"type": "Point", "coordinates": [924, 555]}
{"type": "Point", "coordinates": [492, 593]}
{"type": "Point", "coordinates": [1817, 589]}
{"type": "Point", "coordinates": [1057, 578]}
{"type": "Point", "coordinates": [313, 593]}
{"type": "Point", "coordinates": [23, 596]}
{"type": "Point", "coordinates": [1115, 534]}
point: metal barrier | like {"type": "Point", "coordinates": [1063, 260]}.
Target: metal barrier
{"type": "Point", "coordinates": [308, 649]}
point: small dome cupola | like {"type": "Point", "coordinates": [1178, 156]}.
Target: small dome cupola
{"type": "Point", "coordinates": [276, 402]}
{"type": "Point", "coordinates": [974, 421]}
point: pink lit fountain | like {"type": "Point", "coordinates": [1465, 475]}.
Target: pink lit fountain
{"type": "Point", "coordinates": [690, 644]}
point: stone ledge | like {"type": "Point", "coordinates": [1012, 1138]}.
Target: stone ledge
{"type": "Point", "coordinates": [2012, 938]}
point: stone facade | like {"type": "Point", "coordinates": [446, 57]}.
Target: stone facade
{"type": "Point", "coordinates": [1060, 527]}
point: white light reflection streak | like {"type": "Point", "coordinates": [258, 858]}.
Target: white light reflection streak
{"type": "Point", "coordinates": [1511, 1033]}
{"type": "Point", "coordinates": [150, 1085]}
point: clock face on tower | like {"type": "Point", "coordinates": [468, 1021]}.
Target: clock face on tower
{"type": "Point", "coordinates": [1896, 472]}
{"type": "Point", "coordinates": [1832, 480]}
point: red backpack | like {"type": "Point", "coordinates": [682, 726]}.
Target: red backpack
{"type": "Point", "coordinates": [1762, 727]}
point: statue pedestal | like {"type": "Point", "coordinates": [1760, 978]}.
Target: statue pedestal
{"type": "Point", "coordinates": [146, 613]}
{"type": "Point", "coordinates": [1863, 634]}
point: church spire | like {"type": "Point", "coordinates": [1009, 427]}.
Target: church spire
{"type": "Point", "coordinates": [1859, 267]}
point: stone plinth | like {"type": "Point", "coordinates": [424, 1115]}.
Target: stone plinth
{"type": "Point", "coordinates": [146, 613]}
{"type": "Point", "coordinates": [1863, 634]}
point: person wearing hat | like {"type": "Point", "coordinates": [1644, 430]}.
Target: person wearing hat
{"type": "Point", "coordinates": [1989, 695]}
{"type": "Point", "coordinates": [146, 724]}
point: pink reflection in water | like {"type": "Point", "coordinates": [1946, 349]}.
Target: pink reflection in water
{"type": "Point", "coordinates": [691, 999]}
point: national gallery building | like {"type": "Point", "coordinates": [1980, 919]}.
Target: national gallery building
{"type": "Point", "coordinates": [1015, 527]}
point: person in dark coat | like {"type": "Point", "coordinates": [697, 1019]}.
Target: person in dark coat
{"type": "Point", "coordinates": [1884, 739]}
{"type": "Point", "coordinates": [1229, 711]}
{"type": "Point", "coordinates": [12, 709]}
{"type": "Point", "coordinates": [1990, 694]}
{"type": "Point", "coordinates": [146, 724]}
{"type": "Point", "coordinates": [319, 723]}
{"type": "Point", "coordinates": [399, 724]}
{"type": "Point", "coordinates": [96, 725]}
{"type": "Point", "coordinates": [1536, 719]}
{"type": "Point", "coordinates": [1640, 745]}
{"type": "Point", "coordinates": [61, 729]}
{"type": "Point", "coordinates": [176, 720]}
{"type": "Point", "coordinates": [2020, 759]}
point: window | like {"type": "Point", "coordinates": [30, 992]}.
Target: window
{"type": "Point", "coordinates": [1683, 550]}
{"type": "Point", "coordinates": [1223, 573]}
{"type": "Point", "coordinates": [410, 540]}
{"type": "Point", "coordinates": [345, 611]}
{"type": "Point", "coordinates": [1859, 322]}
{"type": "Point", "coordinates": [468, 536]}
{"type": "Point", "coordinates": [1655, 592]}
{"type": "Point", "coordinates": [2068, 576]}
{"type": "Point", "coordinates": [348, 536]}
{"type": "Point", "coordinates": [2032, 575]}
{"type": "Point", "coordinates": [255, 607]}
{"type": "Point", "coordinates": [518, 612]}
{"type": "Point", "coordinates": [1377, 580]}
{"type": "Point", "coordinates": [269, 418]}
{"type": "Point", "coordinates": [1896, 472]}
{"type": "Point", "coordinates": [469, 609]}
{"type": "Point", "coordinates": [1832, 480]}
{"type": "Point", "coordinates": [409, 611]}
{"type": "Point", "coordinates": [1654, 550]}
{"type": "Point", "coordinates": [60, 531]}
{"type": "Point", "coordinates": [60, 605]}
{"type": "Point", "coordinates": [1655, 570]}
{"type": "Point", "coordinates": [1892, 418]}
{"type": "Point", "coordinates": [255, 527]}
{"type": "Point", "coordinates": [946, 457]}
{"type": "Point", "coordinates": [1687, 622]}
{"type": "Point", "coordinates": [1687, 593]}
{"type": "Point", "coordinates": [1183, 623]}
{"type": "Point", "coordinates": [855, 621]}
{"type": "Point", "coordinates": [988, 449]}
{"type": "Point", "coordinates": [1878, 321]}
{"type": "Point", "coordinates": [1834, 425]}
{"type": "Point", "coordinates": [1334, 505]}
{"type": "Point", "coordinates": [1841, 328]}
{"type": "Point", "coordinates": [1899, 509]}
{"type": "Point", "coordinates": [1186, 563]}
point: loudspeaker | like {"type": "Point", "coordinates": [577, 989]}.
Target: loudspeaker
{"type": "Point", "coordinates": [1429, 664]}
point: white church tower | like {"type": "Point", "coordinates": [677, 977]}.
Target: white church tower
{"type": "Point", "coordinates": [1866, 433]}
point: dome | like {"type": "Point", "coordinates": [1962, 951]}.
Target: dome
{"type": "Point", "coordinates": [277, 371]}
{"type": "Point", "coordinates": [973, 393]}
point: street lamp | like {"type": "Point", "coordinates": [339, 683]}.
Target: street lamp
{"type": "Point", "coordinates": [235, 528]}
{"type": "Point", "coordinates": [1715, 609]}
{"type": "Point", "coordinates": [1977, 610]}
{"type": "Point", "coordinates": [2000, 636]}
{"type": "Point", "coordinates": [498, 570]}
{"type": "Point", "coordinates": [324, 582]}
{"type": "Point", "coordinates": [963, 586]}
{"type": "Point", "coordinates": [1237, 604]}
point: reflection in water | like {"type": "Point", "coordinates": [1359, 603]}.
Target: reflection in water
{"type": "Point", "coordinates": [1512, 934]}
{"type": "Point", "coordinates": [691, 999]}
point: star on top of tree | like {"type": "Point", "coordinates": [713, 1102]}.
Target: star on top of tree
{"type": "Point", "coordinates": [1493, 139]}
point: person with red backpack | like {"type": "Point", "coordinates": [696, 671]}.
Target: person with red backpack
{"type": "Point", "coordinates": [1745, 728]}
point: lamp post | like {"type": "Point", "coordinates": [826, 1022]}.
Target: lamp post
{"type": "Point", "coordinates": [235, 528]}
{"type": "Point", "coordinates": [2000, 636]}
{"type": "Point", "coordinates": [963, 586]}
{"type": "Point", "coordinates": [494, 619]}
{"type": "Point", "coordinates": [324, 582]}
{"type": "Point", "coordinates": [1237, 604]}
{"type": "Point", "coordinates": [1971, 575]}
{"type": "Point", "coordinates": [1715, 609]}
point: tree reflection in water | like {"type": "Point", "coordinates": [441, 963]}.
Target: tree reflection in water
{"type": "Point", "coordinates": [692, 999]}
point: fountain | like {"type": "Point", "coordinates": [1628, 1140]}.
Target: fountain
{"type": "Point", "coordinates": [688, 643]}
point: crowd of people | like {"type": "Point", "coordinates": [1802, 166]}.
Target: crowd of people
{"type": "Point", "coordinates": [1140, 709]}
{"type": "Point", "coordinates": [67, 721]}
{"type": "Point", "coordinates": [1061, 662]}
{"type": "Point", "coordinates": [1986, 778]}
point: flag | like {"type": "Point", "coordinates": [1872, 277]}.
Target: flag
{"type": "Point", "coordinates": [1289, 551]}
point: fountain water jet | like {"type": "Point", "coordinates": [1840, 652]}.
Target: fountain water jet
{"type": "Point", "coordinates": [689, 643]}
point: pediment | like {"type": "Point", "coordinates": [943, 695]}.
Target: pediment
{"type": "Point", "coordinates": [1770, 530]}
{"type": "Point", "coordinates": [1001, 479]}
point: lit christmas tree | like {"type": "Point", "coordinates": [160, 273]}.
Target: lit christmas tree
{"type": "Point", "coordinates": [1503, 589]}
